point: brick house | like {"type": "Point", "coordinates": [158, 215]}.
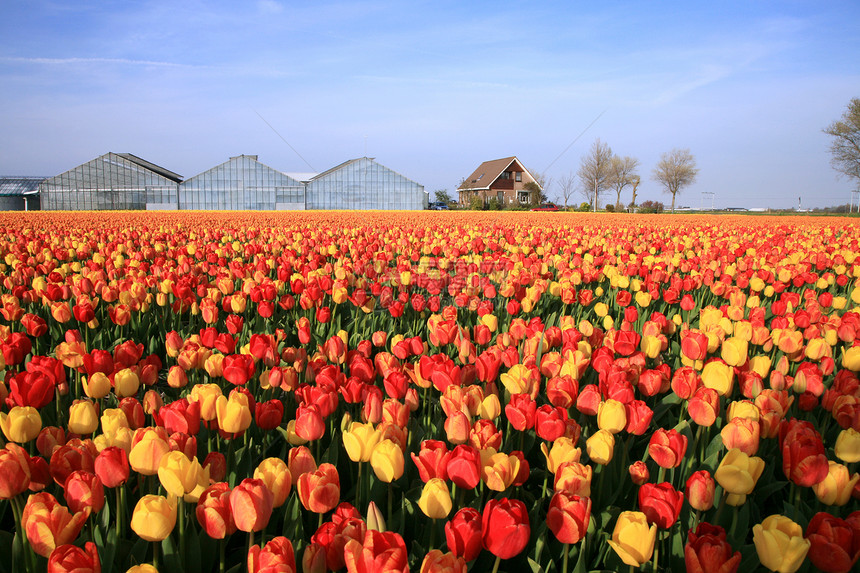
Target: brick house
{"type": "Point", "coordinates": [503, 179]}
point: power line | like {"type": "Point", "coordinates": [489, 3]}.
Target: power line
{"type": "Point", "coordinates": [575, 140]}
{"type": "Point", "coordinates": [284, 140]}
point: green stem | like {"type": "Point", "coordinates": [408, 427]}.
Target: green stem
{"type": "Point", "coordinates": [432, 542]}
{"type": "Point", "coordinates": [222, 550]}
{"type": "Point", "coordinates": [155, 545]}
{"type": "Point", "coordinates": [496, 565]}
{"type": "Point", "coordinates": [656, 552]}
{"type": "Point", "coordinates": [358, 486]}
{"type": "Point", "coordinates": [182, 541]}
{"type": "Point", "coordinates": [390, 504]}
{"type": "Point", "coordinates": [566, 555]}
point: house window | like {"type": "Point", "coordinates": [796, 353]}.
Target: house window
{"type": "Point", "coordinates": [519, 176]}
{"type": "Point", "coordinates": [506, 175]}
{"type": "Point", "coordinates": [500, 197]}
{"type": "Point", "coordinates": [523, 196]}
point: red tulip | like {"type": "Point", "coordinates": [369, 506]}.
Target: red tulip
{"type": "Point", "coordinates": [661, 503]}
{"type": "Point", "coordinates": [464, 466]}
{"type": "Point", "coordinates": [834, 543]}
{"type": "Point", "coordinates": [804, 461]}
{"type": "Point", "coordinates": [521, 412]}
{"type": "Point", "coordinates": [381, 552]}
{"type": "Point", "coordinates": [251, 503]}
{"type": "Point", "coordinates": [332, 537]}
{"type": "Point", "coordinates": [276, 556]}
{"type": "Point", "coordinates": [568, 516]}
{"type": "Point", "coordinates": [463, 534]}
{"type": "Point", "coordinates": [269, 415]}
{"type": "Point", "coordinates": [214, 513]}
{"type": "Point", "coordinates": [82, 490]}
{"type": "Point", "coordinates": [667, 447]}
{"type": "Point", "coordinates": [310, 424]}
{"type": "Point", "coordinates": [238, 369]}
{"type": "Point", "coordinates": [505, 527]}
{"type": "Point", "coordinates": [179, 416]}
{"type": "Point", "coordinates": [432, 460]}
{"type": "Point", "coordinates": [550, 422]}
{"type": "Point", "coordinates": [700, 490]}
{"type": "Point", "coordinates": [30, 389]}
{"type": "Point", "coordinates": [70, 559]}
{"type": "Point", "coordinates": [319, 491]}
{"type": "Point", "coordinates": [14, 471]}
{"type": "Point", "coordinates": [707, 551]}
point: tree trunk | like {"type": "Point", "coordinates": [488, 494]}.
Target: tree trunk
{"type": "Point", "coordinates": [673, 201]}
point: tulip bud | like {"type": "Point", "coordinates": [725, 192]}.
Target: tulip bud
{"type": "Point", "coordinates": [375, 521]}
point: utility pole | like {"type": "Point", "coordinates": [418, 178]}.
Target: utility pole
{"type": "Point", "coordinates": [711, 193]}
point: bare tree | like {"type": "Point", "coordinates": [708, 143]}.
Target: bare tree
{"type": "Point", "coordinates": [623, 174]}
{"type": "Point", "coordinates": [635, 183]}
{"type": "Point", "coordinates": [567, 186]}
{"type": "Point", "coordinates": [538, 193]}
{"type": "Point", "coordinates": [845, 146]}
{"type": "Point", "coordinates": [594, 172]}
{"type": "Point", "coordinates": [675, 170]}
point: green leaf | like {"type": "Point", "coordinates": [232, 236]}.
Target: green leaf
{"type": "Point", "coordinates": [536, 568]}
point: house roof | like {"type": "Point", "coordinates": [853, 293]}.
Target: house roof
{"type": "Point", "coordinates": [18, 186]}
{"type": "Point", "coordinates": [487, 173]}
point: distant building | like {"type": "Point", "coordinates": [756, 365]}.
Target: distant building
{"type": "Point", "coordinates": [112, 181]}
{"type": "Point", "coordinates": [124, 181]}
{"type": "Point", "coordinates": [242, 183]}
{"type": "Point", "coordinates": [502, 179]}
{"type": "Point", "coordinates": [19, 193]}
{"type": "Point", "coordinates": [364, 184]}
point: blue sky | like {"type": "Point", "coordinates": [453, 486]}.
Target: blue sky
{"type": "Point", "coordinates": [432, 89]}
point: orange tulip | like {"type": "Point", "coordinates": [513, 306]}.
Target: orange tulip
{"type": "Point", "coordinates": [319, 491]}
{"type": "Point", "coordinates": [49, 524]}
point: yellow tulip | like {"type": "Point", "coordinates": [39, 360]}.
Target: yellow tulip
{"type": "Point", "coordinates": [435, 500]}
{"type": "Point", "coordinates": [177, 473]}
{"type": "Point", "coordinates": [837, 486]}
{"type": "Point", "coordinates": [600, 447]}
{"type": "Point", "coordinates": [847, 446]}
{"type": "Point", "coordinates": [21, 424]}
{"type": "Point", "coordinates": [360, 440]}
{"type": "Point", "coordinates": [154, 517]}
{"type": "Point", "coordinates": [83, 418]}
{"type": "Point", "coordinates": [633, 539]}
{"type": "Point", "coordinates": [611, 416]}
{"type": "Point", "coordinates": [738, 474]}
{"type": "Point", "coordinates": [780, 544]}
{"type": "Point", "coordinates": [387, 461]}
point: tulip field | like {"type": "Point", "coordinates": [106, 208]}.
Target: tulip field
{"type": "Point", "coordinates": [474, 391]}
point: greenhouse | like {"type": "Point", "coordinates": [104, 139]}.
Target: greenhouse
{"type": "Point", "coordinates": [242, 183]}
{"type": "Point", "coordinates": [19, 193]}
{"type": "Point", "coordinates": [364, 184]}
{"type": "Point", "coordinates": [112, 181]}
{"type": "Point", "coordinates": [122, 181]}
